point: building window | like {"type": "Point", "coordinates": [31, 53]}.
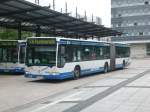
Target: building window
{"type": "Point", "coordinates": [146, 2]}
{"type": "Point", "coordinates": [119, 24]}
{"type": "Point", "coordinates": [140, 33]}
{"type": "Point", "coordinates": [135, 24]}
{"type": "Point", "coordinates": [119, 15]}
{"type": "Point", "coordinates": [113, 25]}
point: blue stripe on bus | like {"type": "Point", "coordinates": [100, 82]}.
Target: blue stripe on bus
{"type": "Point", "coordinates": [74, 42]}
{"type": "Point", "coordinates": [90, 71]}
{"type": "Point", "coordinates": [15, 70]}
{"type": "Point", "coordinates": [65, 75]}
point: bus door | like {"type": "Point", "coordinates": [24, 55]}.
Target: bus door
{"type": "Point", "coordinates": [112, 56]}
{"type": "Point", "coordinates": [3, 57]}
{"type": "Point", "coordinates": [21, 53]}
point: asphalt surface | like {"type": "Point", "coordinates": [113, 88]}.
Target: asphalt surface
{"type": "Point", "coordinates": [18, 94]}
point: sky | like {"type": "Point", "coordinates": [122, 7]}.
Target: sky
{"type": "Point", "coordinates": [100, 8]}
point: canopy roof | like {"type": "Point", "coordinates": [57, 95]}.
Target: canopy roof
{"type": "Point", "coordinates": [32, 17]}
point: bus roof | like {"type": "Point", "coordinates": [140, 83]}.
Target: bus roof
{"type": "Point", "coordinates": [62, 38]}
{"type": "Point", "coordinates": [122, 44]}
{"type": "Point", "coordinates": [13, 40]}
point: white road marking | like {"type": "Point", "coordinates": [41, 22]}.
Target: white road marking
{"type": "Point", "coordinates": [68, 98]}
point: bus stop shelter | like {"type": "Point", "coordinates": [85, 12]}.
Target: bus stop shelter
{"type": "Point", "coordinates": [25, 16]}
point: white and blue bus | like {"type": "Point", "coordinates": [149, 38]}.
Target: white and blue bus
{"type": "Point", "coordinates": [61, 58]}
{"type": "Point", "coordinates": [12, 56]}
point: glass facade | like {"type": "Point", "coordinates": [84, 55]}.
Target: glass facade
{"type": "Point", "coordinates": [131, 17]}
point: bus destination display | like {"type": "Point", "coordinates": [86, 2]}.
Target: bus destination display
{"type": "Point", "coordinates": [41, 41]}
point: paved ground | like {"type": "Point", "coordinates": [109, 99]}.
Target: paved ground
{"type": "Point", "coordinates": [119, 91]}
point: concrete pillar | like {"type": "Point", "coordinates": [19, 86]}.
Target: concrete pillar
{"type": "Point", "coordinates": [112, 56]}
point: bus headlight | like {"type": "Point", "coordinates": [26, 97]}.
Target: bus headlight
{"type": "Point", "coordinates": [55, 73]}
{"type": "Point", "coordinates": [27, 72]}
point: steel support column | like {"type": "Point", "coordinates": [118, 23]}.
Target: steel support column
{"type": "Point", "coordinates": [38, 31]}
{"type": "Point", "coordinates": [92, 37]}
{"type": "Point", "coordinates": [19, 31]}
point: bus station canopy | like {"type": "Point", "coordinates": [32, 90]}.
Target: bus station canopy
{"type": "Point", "coordinates": [26, 16]}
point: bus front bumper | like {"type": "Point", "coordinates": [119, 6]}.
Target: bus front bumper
{"type": "Point", "coordinates": [58, 76]}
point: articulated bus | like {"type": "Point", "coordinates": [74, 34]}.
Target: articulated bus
{"type": "Point", "coordinates": [61, 58]}
{"type": "Point", "coordinates": [12, 56]}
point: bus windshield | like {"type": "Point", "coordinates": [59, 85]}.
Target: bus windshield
{"type": "Point", "coordinates": [9, 54]}
{"type": "Point", "coordinates": [41, 56]}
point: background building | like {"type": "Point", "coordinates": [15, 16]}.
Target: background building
{"type": "Point", "coordinates": [132, 17]}
{"type": "Point", "coordinates": [94, 19]}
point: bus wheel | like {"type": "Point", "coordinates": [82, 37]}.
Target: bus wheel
{"type": "Point", "coordinates": [105, 68]}
{"type": "Point", "coordinates": [77, 72]}
{"type": "Point", "coordinates": [123, 64]}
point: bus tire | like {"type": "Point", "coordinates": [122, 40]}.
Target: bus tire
{"type": "Point", "coordinates": [106, 68]}
{"type": "Point", "coordinates": [123, 64]}
{"type": "Point", "coordinates": [77, 72]}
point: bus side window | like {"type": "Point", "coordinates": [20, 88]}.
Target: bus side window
{"type": "Point", "coordinates": [86, 53]}
{"type": "Point", "coordinates": [118, 52]}
{"type": "Point", "coordinates": [69, 53]}
{"type": "Point", "coordinates": [93, 53]}
{"type": "Point", "coordinates": [61, 56]}
{"type": "Point", "coordinates": [106, 52]}
{"type": "Point", "coordinates": [101, 53]}
{"type": "Point", "coordinates": [74, 56]}
{"type": "Point", "coordinates": [76, 50]}
{"type": "Point", "coordinates": [89, 53]}
{"type": "Point", "coordinates": [78, 55]}
{"type": "Point", "coordinates": [5, 55]}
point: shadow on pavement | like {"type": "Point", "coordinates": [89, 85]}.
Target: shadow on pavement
{"type": "Point", "coordinates": [64, 80]}
{"type": "Point", "coordinates": [53, 81]}
{"type": "Point", "coordinates": [50, 81]}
